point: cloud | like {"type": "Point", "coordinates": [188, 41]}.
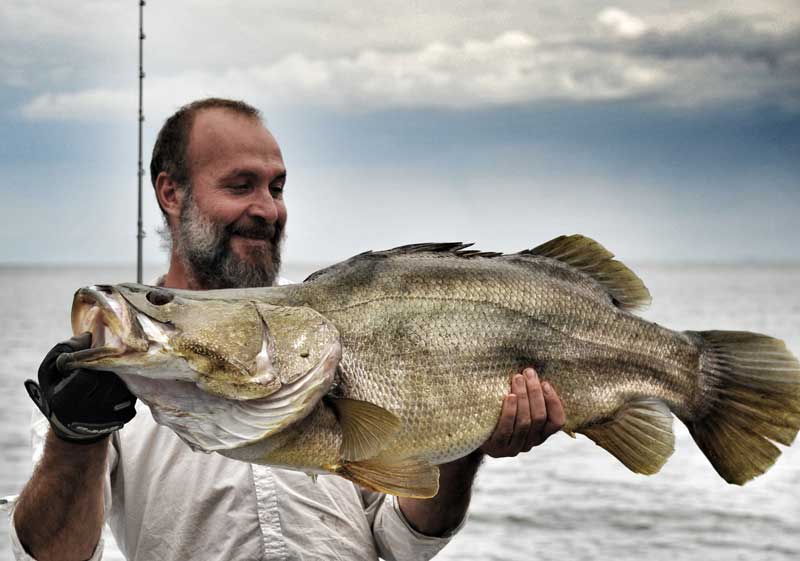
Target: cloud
{"type": "Point", "coordinates": [510, 68]}
{"type": "Point", "coordinates": [725, 37]}
{"type": "Point", "coordinates": [621, 56]}
{"type": "Point", "coordinates": [86, 105]}
{"type": "Point", "coordinates": [621, 23]}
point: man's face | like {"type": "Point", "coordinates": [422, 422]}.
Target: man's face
{"type": "Point", "coordinates": [233, 217]}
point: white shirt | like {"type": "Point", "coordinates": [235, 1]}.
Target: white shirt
{"type": "Point", "coordinates": [164, 502]}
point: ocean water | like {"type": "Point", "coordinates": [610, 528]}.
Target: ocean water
{"type": "Point", "coordinates": [567, 499]}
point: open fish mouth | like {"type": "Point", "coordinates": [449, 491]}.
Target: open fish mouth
{"type": "Point", "coordinates": [115, 328]}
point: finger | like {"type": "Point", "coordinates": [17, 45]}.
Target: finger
{"type": "Point", "coordinates": [64, 361]}
{"type": "Point", "coordinates": [522, 422]}
{"type": "Point", "coordinates": [82, 341]}
{"type": "Point", "coordinates": [498, 442]}
{"type": "Point", "coordinates": [538, 409]}
{"type": "Point", "coordinates": [35, 393]}
{"type": "Point", "coordinates": [555, 411]}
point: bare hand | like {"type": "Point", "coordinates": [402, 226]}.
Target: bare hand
{"type": "Point", "coordinates": [531, 413]}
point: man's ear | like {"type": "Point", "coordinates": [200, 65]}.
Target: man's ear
{"type": "Point", "coordinates": [169, 195]}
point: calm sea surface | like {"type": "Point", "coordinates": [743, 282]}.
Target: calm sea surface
{"type": "Point", "coordinates": [565, 500]}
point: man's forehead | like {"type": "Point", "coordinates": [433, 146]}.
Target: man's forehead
{"type": "Point", "coordinates": [220, 134]}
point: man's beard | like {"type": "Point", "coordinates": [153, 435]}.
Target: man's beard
{"type": "Point", "coordinates": [204, 246]}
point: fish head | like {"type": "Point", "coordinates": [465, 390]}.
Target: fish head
{"type": "Point", "coordinates": [222, 372]}
{"type": "Point", "coordinates": [232, 348]}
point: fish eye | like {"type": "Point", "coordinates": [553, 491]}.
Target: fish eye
{"type": "Point", "coordinates": [159, 297]}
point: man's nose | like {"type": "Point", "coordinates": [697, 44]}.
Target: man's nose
{"type": "Point", "coordinates": [263, 205]}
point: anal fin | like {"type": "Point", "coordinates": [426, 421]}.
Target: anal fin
{"type": "Point", "coordinates": [411, 477]}
{"type": "Point", "coordinates": [366, 428]}
{"type": "Point", "coordinates": [640, 435]}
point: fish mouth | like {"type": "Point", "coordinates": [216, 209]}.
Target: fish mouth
{"type": "Point", "coordinates": [102, 311]}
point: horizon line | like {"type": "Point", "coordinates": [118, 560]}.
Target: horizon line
{"type": "Point", "coordinates": [301, 263]}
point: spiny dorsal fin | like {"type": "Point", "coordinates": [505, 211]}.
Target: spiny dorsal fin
{"type": "Point", "coordinates": [404, 478]}
{"type": "Point", "coordinates": [435, 247]}
{"type": "Point", "coordinates": [640, 435]}
{"type": "Point", "coordinates": [366, 428]}
{"type": "Point", "coordinates": [443, 248]}
{"type": "Point", "coordinates": [457, 249]}
{"type": "Point", "coordinates": [626, 289]}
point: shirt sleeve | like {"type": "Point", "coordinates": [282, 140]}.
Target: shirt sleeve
{"type": "Point", "coordinates": [394, 537]}
{"type": "Point", "coordinates": [39, 427]}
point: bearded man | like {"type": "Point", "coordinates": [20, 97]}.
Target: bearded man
{"type": "Point", "coordinates": [219, 178]}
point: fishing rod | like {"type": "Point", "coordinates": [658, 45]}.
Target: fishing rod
{"type": "Point", "coordinates": [139, 228]}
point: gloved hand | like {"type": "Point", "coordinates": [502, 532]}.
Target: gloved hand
{"type": "Point", "coordinates": [83, 406]}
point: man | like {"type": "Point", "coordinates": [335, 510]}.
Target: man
{"type": "Point", "coordinates": [219, 179]}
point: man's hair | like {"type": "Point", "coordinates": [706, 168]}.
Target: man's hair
{"type": "Point", "coordinates": [172, 143]}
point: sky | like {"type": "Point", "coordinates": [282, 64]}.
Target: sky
{"type": "Point", "coordinates": [668, 133]}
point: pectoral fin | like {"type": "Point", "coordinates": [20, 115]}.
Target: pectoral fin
{"type": "Point", "coordinates": [366, 428]}
{"type": "Point", "coordinates": [640, 435]}
{"type": "Point", "coordinates": [404, 478]}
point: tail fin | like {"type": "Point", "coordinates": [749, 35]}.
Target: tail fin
{"type": "Point", "coordinates": [751, 399]}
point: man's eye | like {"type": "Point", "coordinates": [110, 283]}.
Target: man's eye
{"type": "Point", "coordinates": [240, 187]}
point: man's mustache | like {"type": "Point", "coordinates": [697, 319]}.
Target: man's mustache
{"type": "Point", "coordinates": [259, 230]}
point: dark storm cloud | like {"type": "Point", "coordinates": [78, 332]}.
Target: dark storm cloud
{"type": "Point", "coordinates": [724, 37]}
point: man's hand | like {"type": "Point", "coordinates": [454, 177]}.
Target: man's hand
{"type": "Point", "coordinates": [83, 406]}
{"type": "Point", "coordinates": [531, 413]}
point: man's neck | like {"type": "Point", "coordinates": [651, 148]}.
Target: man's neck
{"type": "Point", "coordinates": [177, 276]}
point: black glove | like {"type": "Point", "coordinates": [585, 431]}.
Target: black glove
{"type": "Point", "coordinates": [83, 406]}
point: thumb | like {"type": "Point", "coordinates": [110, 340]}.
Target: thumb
{"type": "Point", "coordinates": [35, 394]}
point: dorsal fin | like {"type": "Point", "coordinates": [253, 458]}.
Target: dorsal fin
{"type": "Point", "coordinates": [457, 249]}
{"type": "Point", "coordinates": [428, 247]}
{"type": "Point", "coordinates": [626, 289]}
{"type": "Point", "coordinates": [444, 248]}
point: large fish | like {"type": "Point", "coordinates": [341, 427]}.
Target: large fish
{"type": "Point", "coordinates": [387, 364]}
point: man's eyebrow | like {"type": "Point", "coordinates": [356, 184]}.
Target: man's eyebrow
{"type": "Point", "coordinates": [237, 172]}
{"type": "Point", "coordinates": [249, 174]}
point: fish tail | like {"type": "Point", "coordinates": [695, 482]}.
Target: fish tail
{"type": "Point", "coordinates": [750, 399]}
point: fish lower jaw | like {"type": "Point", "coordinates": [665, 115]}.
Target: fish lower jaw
{"type": "Point", "coordinates": [157, 364]}
{"type": "Point", "coordinates": [87, 358]}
